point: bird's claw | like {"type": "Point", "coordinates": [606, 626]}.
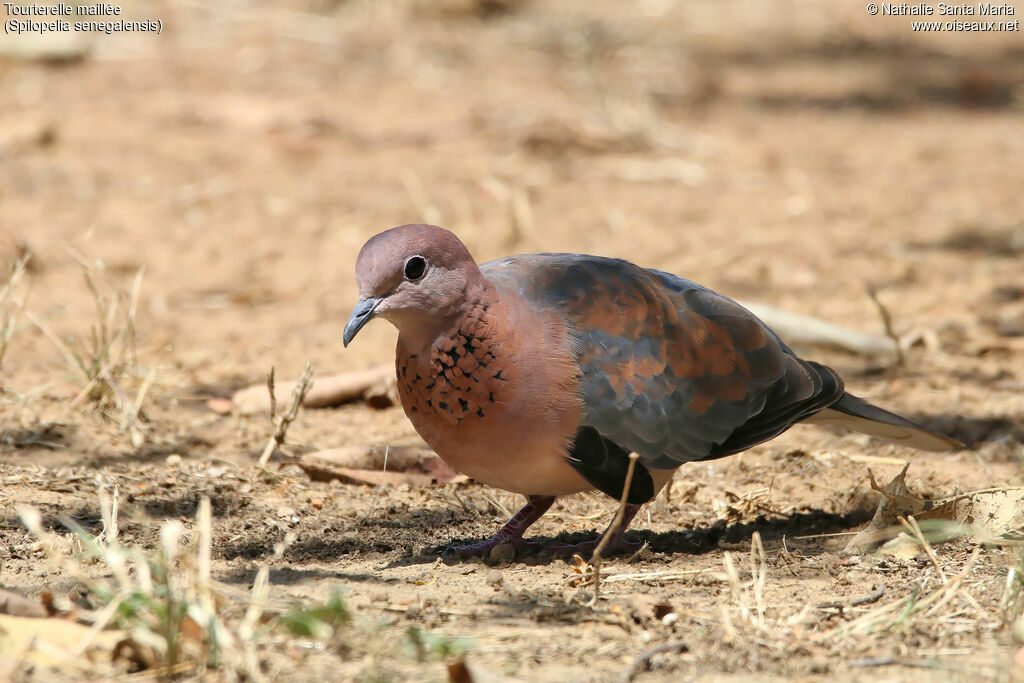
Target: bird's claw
{"type": "Point", "coordinates": [497, 548]}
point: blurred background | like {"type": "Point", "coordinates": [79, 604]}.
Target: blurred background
{"type": "Point", "coordinates": [180, 212]}
{"type": "Point", "coordinates": [791, 153]}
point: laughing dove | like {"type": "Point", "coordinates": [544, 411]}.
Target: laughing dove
{"type": "Point", "coordinates": [540, 373]}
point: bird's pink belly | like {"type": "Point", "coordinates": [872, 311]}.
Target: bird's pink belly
{"type": "Point", "coordinates": [520, 463]}
{"type": "Point", "coordinates": [526, 474]}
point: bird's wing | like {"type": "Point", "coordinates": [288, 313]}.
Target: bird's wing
{"type": "Point", "coordinates": [670, 370]}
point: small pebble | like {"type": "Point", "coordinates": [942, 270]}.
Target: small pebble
{"type": "Point", "coordinates": [317, 503]}
{"type": "Point", "coordinates": [494, 577]}
{"type": "Point", "coordinates": [221, 406]}
{"type": "Point", "coordinates": [173, 460]}
{"type": "Point", "coordinates": [506, 552]}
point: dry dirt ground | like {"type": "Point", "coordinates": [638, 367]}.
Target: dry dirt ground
{"type": "Point", "coordinates": [789, 153]}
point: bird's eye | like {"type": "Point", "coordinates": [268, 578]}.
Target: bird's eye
{"type": "Point", "coordinates": [415, 267]}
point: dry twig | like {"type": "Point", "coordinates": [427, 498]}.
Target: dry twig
{"type": "Point", "coordinates": [803, 330]}
{"type": "Point", "coordinates": [595, 560]}
{"type": "Point", "coordinates": [868, 599]}
{"type": "Point", "coordinates": [887, 322]}
{"type": "Point", "coordinates": [282, 423]}
{"type": "Point", "coordinates": [326, 391]}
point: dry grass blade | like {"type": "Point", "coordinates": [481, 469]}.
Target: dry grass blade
{"type": "Point", "coordinates": [130, 421]}
{"type": "Point", "coordinates": [748, 597]}
{"type": "Point", "coordinates": [903, 612]}
{"type": "Point", "coordinates": [1011, 604]}
{"type": "Point", "coordinates": [665, 576]}
{"type": "Point", "coordinates": [911, 525]}
{"type": "Point", "coordinates": [107, 360]}
{"type": "Point", "coordinates": [9, 322]}
{"type": "Point", "coordinates": [758, 572]}
{"type": "Point", "coordinates": [108, 513]}
{"type": "Point", "coordinates": [736, 592]}
{"type": "Point", "coordinates": [171, 614]}
{"type": "Point", "coordinates": [16, 273]}
{"type": "Point", "coordinates": [270, 390]}
{"type": "Point", "coordinates": [61, 346]}
{"type": "Point", "coordinates": [497, 505]}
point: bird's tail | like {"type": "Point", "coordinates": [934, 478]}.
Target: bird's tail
{"type": "Point", "coordinates": [857, 414]}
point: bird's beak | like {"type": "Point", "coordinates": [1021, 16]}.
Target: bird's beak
{"type": "Point", "coordinates": [362, 314]}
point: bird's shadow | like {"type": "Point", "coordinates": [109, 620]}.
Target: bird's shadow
{"type": "Point", "coordinates": [286, 576]}
{"type": "Point", "coordinates": [695, 541]}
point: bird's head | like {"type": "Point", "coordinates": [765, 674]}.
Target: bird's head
{"type": "Point", "coordinates": [414, 276]}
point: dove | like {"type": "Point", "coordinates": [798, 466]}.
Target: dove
{"type": "Point", "coordinates": [541, 373]}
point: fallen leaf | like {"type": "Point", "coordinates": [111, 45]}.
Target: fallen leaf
{"type": "Point", "coordinates": [981, 516]}
{"type": "Point", "coordinates": [458, 672]}
{"type": "Point", "coordinates": [897, 501]}
{"type": "Point", "coordinates": [462, 671]}
{"type": "Point", "coordinates": [51, 642]}
{"type": "Point", "coordinates": [221, 406]}
{"type": "Point", "coordinates": [18, 605]}
{"type": "Point", "coordinates": [903, 547]}
{"type": "Point", "coordinates": [989, 514]}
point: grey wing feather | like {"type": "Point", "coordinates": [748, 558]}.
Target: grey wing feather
{"type": "Point", "coordinates": [670, 369]}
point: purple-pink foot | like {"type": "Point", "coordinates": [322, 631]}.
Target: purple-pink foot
{"type": "Point", "coordinates": [497, 548]}
{"type": "Point", "coordinates": [503, 545]}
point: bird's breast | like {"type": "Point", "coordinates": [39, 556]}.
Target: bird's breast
{"type": "Point", "coordinates": [458, 379]}
{"type": "Point", "coordinates": [478, 397]}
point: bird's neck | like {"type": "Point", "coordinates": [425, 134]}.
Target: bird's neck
{"type": "Point", "coordinates": [469, 314]}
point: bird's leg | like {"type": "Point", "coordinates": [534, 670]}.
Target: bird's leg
{"type": "Point", "coordinates": [615, 542]}
{"type": "Point", "coordinates": [512, 532]}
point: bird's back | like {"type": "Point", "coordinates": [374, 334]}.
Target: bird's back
{"type": "Point", "coordinates": [669, 368]}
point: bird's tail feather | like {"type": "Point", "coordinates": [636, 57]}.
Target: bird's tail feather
{"type": "Point", "coordinates": [857, 414]}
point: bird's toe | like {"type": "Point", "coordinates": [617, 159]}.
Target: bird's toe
{"type": "Point", "coordinates": [497, 548]}
{"type": "Point", "coordinates": [585, 549]}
